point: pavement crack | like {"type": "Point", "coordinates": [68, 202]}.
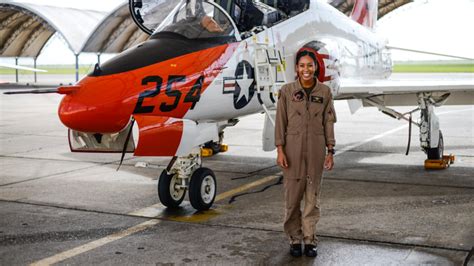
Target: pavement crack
{"type": "Point", "coordinates": [468, 257]}
{"type": "Point", "coordinates": [71, 208]}
{"type": "Point", "coordinates": [60, 173]}
{"type": "Point", "coordinates": [49, 159]}
{"type": "Point", "coordinates": [57, 236]}
{"type": "Point", "coordinates": [354, 239]}
{"type": "Point", "coordinates": [355, 150]}
{"type": "Point", "coordinates": [374, 241]}
{"type": "Point", "coordinates": [33, 135]}
{"type": "Point", "coordinates": [395, 183]}
{"type": "Point", "coordinates": [36, 149]}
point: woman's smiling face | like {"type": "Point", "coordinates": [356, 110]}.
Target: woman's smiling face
{"type": "Point", "coordinates": [306, 68]}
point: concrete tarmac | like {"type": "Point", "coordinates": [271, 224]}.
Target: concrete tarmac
{"type": "Point", "coordinates": [379, 206]}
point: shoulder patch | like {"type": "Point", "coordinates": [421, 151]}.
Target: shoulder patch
{"type": "Point", "coordinates": [298, 96]}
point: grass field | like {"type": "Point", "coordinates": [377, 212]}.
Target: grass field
{"type": "Point", "coordinates": [433, 68]}
{"type": "Point", "coordinates": [52, 70]}
{"type": "Point", "coordinates": [398, 68]}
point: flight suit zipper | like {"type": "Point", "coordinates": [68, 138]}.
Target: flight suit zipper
{"type": "Point", "coordinates": [308, 117]}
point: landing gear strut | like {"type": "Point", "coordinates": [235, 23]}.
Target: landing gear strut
{"type": "Point", "coordinates": [185, 173]}
{"type": "Point", "coordinates": [431, 138]}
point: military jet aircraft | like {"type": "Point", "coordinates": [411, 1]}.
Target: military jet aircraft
{"type": "Point", "coordinates": [207, 63]}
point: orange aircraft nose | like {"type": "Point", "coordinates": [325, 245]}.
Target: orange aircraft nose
{"type": "Point", "coordinates": [97, 107]}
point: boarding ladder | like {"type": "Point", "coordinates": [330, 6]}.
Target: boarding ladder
{"type": "Point", "coordinates": [269, 76]}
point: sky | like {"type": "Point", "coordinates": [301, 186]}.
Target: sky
{"type": "Point", "coordinates": [441, 26]}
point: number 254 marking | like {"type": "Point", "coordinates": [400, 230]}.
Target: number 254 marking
{"type": "Point", "coordinates": [192, 96]}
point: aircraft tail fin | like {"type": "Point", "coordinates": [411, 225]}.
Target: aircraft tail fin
{"type": "Point", "coordinates": [365, 12]}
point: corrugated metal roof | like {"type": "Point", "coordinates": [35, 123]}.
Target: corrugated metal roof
{"type": "Point", "coordinates": [25, 28]}
{"type": "Point", "coordinates": [385, 6]}
{"type": "Point", "coordinates": [115, 33]}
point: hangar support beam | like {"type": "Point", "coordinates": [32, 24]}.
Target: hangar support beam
{"type": "Point", "coordinates": [384, 6]}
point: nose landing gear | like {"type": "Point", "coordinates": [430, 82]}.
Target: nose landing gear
{"type": "Point", "coordinates": [202, 189]}
{"type": "Point", "coordinates": [170, 190]}
{"type": "Point", "coordinates": [185, 173]}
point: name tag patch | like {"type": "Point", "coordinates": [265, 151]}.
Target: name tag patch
{"type": "Point", "coordinates": [317, 99]}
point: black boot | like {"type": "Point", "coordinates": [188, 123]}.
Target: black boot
{"type": "Point", "coordinates": [311, 250]}
{"type": "Point", "coordinates": [295, 250]}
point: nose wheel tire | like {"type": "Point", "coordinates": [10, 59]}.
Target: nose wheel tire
{"type": "Point", "coordinates": [202, 189]}
{"type": "Point", "coordinates": [169, 191]}
{"type": "Point", "coordinates": [436, 153]}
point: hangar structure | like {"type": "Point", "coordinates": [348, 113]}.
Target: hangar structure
{"type": "Point", "coordinates": [115, 33]}
{"type": "Point", "coordinates": [26, 28]}
{"type": "Point", "coordinates": [385, 6]}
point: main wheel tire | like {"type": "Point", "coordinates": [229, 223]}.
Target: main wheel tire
{"type": "Point", "coordinates": [436, 153]}
{"type": "Point", "coordinates": [169, 194]}
{"type": "Point", "coordinates": [202, 189]}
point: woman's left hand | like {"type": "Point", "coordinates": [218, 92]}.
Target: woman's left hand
{"type": "Point", "coordinates": [329, 162]}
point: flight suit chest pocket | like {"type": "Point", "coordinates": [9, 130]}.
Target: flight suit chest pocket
{"type": "Point", "coordinates": [297, 108]}
{"type": "Point", "coordinates": [295, 114]}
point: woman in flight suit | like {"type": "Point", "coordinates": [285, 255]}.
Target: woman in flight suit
{"type": "Point", "coordinates": [304, 136]}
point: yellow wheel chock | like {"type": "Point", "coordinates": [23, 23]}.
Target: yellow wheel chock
{"type": "Point", "coordinates": [208, 152]}
{"type": "Point", "coordinates": [224, 147]}
{"type": "Point", "coordinates": [443, 163]}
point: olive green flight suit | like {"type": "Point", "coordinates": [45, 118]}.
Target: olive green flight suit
{"type": "Point", "coordinates": [304, 127]}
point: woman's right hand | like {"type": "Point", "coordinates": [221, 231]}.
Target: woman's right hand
{"type": "Point", "coordinates": [281, 159]}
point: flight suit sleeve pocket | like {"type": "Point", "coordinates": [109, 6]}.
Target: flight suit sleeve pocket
{"type": "Point", "coordinates": [329, 120]}
{"type": "Point", "coordinates": [331, 114]}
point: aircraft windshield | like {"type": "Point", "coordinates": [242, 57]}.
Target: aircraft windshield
{"type": "Point", "coordinates": [196, 19]}
{"type": "Point", "coordinates": [148, 14]}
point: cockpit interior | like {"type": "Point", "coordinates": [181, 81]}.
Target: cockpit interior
{"type": "Point", "coordinates": [199, 19]}
{"type": "Point", "coordinates": [248, 14]}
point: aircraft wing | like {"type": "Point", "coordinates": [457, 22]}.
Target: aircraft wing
{"type": "Point", "coordinates": [403, 92]}
{"type": "Point", "coordinates": [22, 67]}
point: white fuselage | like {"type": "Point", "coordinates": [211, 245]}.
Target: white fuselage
{"type": "Point", "coordinates": [355, 53]}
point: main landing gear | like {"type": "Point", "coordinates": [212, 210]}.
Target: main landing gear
{"type": "Point", "coordinates": [184, 173]}
{"type": "Point", "coordinates": [431, 137]}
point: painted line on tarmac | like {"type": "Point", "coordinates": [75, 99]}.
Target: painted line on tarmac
{"type": "Point", "coordinates": [148, 211]}
{"type": "Point", "coordinates": [353, 146]}
{"type": "Point", "coordinates": [95, 244]}
{"type": "Point", "coordinates": [155, 209]}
